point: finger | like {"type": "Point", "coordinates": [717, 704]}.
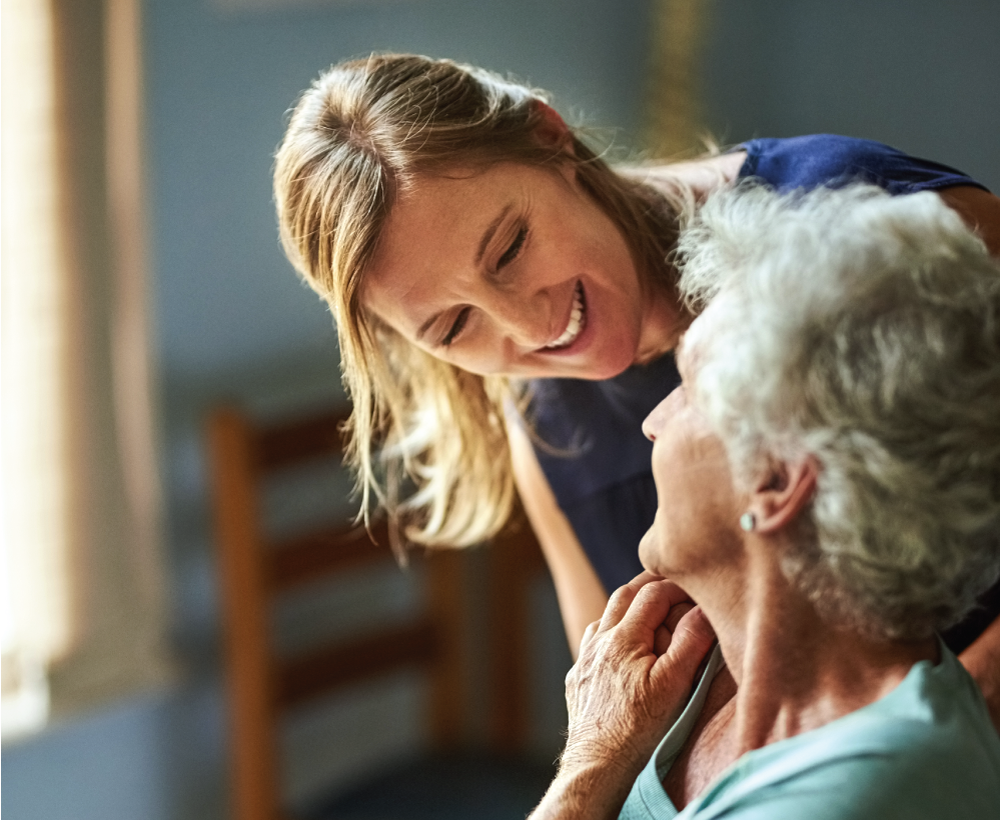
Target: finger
{"type": "Point", "coordinates": [664, 632]}
{"type": "Point", "coordinates": [651, 607]}
{"type": "Point", "coordinates": [588, 636]}
{"type": "Point", "coordinates": [621, 599]}
{"type": "Point", "coordinates": [677, 612]}
{"type": "Point", "coordinates": [661, 640]}
{"type": "Point", "coordinates": [689, 644]}
{"type": "Point", "coordinates": [680, 594]}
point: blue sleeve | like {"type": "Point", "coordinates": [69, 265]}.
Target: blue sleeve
{"type": "Point", "coordinates": [826, 159]}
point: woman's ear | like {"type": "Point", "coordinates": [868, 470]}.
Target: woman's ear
{"type": "Point", "coordinates": [551, 129]}
{"type": "Point", "coordinates": [782, 493]}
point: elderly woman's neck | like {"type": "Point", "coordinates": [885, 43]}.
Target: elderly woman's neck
{"type": "Point", "coordinates": [795, 672]}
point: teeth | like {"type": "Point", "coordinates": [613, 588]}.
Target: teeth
{"type": "Point", "coordinates": [576, 322]}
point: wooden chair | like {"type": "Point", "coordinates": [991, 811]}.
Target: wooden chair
{"type": "Point", "coordinates": [254, 574]}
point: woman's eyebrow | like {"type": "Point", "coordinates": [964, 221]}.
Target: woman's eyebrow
{"type": "Point", "coordinates": [427, 325]}
{"type": "Point", "coordinates": [491, 229]}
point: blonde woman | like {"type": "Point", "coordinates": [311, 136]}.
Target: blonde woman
{"type": "Point", "coordinates": [506, 302]}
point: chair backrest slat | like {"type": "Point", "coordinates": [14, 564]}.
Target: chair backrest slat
{"type": "Point", "coordinates": [290, 443]}
{"type": "Point", "coordinates": [311, 674]}
{"type": "Point", "coordinates": [253, 733]}
{"type": "Point", "coordinates": [313, 555]}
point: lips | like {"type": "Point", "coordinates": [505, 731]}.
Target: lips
{"type": "Point", "coordinates": [577, 321]}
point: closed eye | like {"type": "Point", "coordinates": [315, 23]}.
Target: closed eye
{"type": "Point", "coordinates": [513, 249]}
{"type": "Point", "coordinates": [456, 328]}
{"type": "Point", "coordinates": [508, 256]}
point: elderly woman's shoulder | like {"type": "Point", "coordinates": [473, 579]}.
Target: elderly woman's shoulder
{"type": "Point", "coordinates": [926, 750]}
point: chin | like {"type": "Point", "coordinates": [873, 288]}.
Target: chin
{"type": "Point", "coordinates": [605, 373]}
{"type": "Point", "coordinates": [614, 364]}
{"type": "Point", "coordinates": [647, 551]}
{"type": "Point", "coordinates": [657, 554]}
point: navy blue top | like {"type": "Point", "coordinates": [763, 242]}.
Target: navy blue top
{"type": "Point", "coordinates": [598, 461]}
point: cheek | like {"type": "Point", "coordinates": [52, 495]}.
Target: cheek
{"type": "Point", "coordinates": [694, 519]}
{"type": "Point", "coordinates": [482, 360]}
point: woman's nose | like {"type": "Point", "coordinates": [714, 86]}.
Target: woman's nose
{"type": "Point", "coordinates": [525, 320]}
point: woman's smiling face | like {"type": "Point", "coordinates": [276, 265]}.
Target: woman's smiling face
{"type": "Point", "coordinates": [513, 271]}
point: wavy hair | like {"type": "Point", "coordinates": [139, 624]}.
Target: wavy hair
{"type": "Point", "coordinates": [427, 440]}
{"type": "Point", "coordinates": [862, 330]}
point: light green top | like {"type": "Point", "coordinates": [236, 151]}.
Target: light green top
{"type": "Point", "coordinates": [925, 750]}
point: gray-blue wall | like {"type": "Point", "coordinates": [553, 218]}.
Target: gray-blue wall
{"type": "Point", "coordinates": [921, 75]}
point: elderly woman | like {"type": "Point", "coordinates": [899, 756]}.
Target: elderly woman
{"type": "Point", "coordinates": [828, 479]}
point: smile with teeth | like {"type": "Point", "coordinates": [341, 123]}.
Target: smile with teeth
{"type": "Point", "coordinates": [577, 320]}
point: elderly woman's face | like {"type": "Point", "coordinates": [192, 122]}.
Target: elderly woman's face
{"type": "Point", "coordinates": [510, 271]}
{"type": "Point", "coordinates": [698, 510]}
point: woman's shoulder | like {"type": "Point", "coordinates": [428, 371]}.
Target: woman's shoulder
{"type": "Point", "coordinates": [831, 159]}
{"type": "Point", "coordinates": [803, 163]}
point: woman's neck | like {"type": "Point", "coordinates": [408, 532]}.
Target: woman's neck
{"type": "Point", "coordinates": [663, 324]}
{"type": "Point", "coordinates": [794, 672]}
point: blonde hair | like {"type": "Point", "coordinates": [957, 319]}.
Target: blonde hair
{"type": "Point", "coordinates": [427, 440]}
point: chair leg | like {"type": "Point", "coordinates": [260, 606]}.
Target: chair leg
{"type": "Point", "coordinates": [255, 789]}
{"type": "Point", "coordinates": [445, 571]}
{"type": "Point", "coordinates": [513, 563]}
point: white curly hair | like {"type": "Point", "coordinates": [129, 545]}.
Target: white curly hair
{"type": "Point", "coordinates": [862, 330]}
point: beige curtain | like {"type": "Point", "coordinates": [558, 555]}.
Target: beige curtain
{"type": "Point", "coordinates": [673, 126]}
{"type": "Point", "coordinates": [84, 592]}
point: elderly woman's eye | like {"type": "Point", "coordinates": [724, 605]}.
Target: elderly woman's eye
{"type": "Point", "coordinates": [456, 328]}
{"type": "Point", "coordinates": [514, 249]}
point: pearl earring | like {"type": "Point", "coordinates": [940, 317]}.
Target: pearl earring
{"type": "Point", "coordinates": [748, 522]}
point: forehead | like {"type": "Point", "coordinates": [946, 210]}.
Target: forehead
{"type": "Point", "coordinates": [457, 197]}
{"type": "Point", "coordinates": [681, 352]}
{"type": "Point", "coordinates": [428, 231]}
{"type": "Point", "coordinates": [690, 350]}
{"type": "Point", "coordinates": [439, 205]}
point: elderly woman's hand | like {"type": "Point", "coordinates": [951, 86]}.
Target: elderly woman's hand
{"type": "Point", "coordinates": [635, 671]}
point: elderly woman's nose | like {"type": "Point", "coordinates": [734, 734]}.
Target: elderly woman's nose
{"type": "Point", "coordinates": [654, 422]}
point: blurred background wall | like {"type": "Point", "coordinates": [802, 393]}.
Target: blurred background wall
{"type": "Point", "coordinates": [232, 322]}
{"type": "Point", "coordinates": [916, 74]}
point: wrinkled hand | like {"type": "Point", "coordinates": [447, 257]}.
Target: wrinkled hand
{"type": "Point", "coordinates": [634, 674]}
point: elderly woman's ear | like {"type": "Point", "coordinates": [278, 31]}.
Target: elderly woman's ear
{"type": "Point", "coordinates": [779, 495]}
